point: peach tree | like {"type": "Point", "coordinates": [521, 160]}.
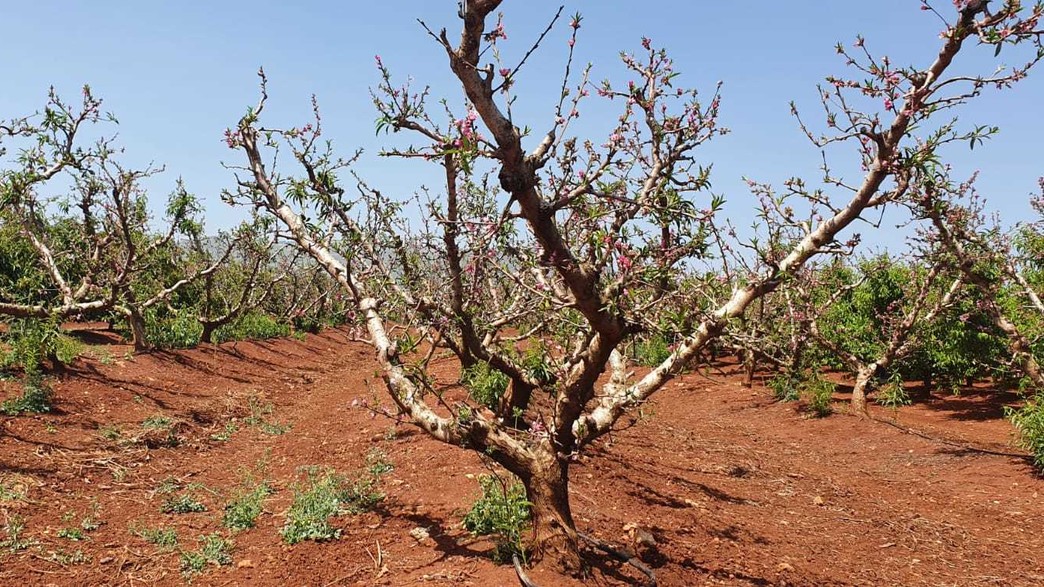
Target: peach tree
{"type": "Point", "coordinates": [541, 239]}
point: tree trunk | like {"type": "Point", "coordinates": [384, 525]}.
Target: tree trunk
{"type": "Point", "coordinates": [554, 533]}
{"type": "Point", "coordinates": [208, 332]}
{"type": "Point", "coordinates": [136, 322]}
{"type": "Point", "coordinates": [863, 377]}
{"type": "Point", "coordinates": [750, 363]}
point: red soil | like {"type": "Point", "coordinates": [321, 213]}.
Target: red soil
{"type": "Point", "coordinates": [736, 489]}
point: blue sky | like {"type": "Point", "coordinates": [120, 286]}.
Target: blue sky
{"type": "Point", "coordinates": [177, 73]}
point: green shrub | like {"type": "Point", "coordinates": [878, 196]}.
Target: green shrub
{"type": "Point", "coordinates": [251, 326]}
{"type": "Point", "coordinates": [784, 387]}
{"type": "Point", "coordinates": [36, 398]}
{"type": "Point", "coordinates": [1029, 425]}
{"type": "Point", "coordinates": [308, 324]}
{"type": "Point", "coordinates": [32, 342]}
{"type": "Point", "coordinates": [652, 350]}
{"type": "Point", "coordinates": [485, 384]}
{"type": "Point", "coordinates": [314, 504]}
{"type": "Point", "coordinates": [819, 393]}
{"type": "Point", "coordinates": [534, 360]}
{"type": "Point", "coordinates": [503, 513]}
{"type": "Point", "coordinates": [172, 330]}
{"type": "Point", "coordinates": [893, 394]}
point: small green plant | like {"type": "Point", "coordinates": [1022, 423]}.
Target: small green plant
{"type": "Point", "coordinates": [91, 522]}
{"type": "Point", "coordinates": [182, 504]}
{"type": "Point", "coordinates": [14, 527]}
{"type": "Point", "coordinates": [214, 549]}
{"type": "Point", "coordinates": [360, 495]}
{"type": "Point", "coordinates": [104, 356]}
{"type": "Point", "coordinates": [323, 495]}
{"type": "Point", "coordinates": [36, 398]}
{"type": "Point", "coordinates": [160, 432]}
{"type": "Point", "coordinates": [503, 513]}
{"type": "Point", "coordinates": [67, 348]}
{"type": "Point", "coordinates": [247, 504]}
{"type": "Point", "coordinates": [226, 433]}
{"type": "Point", "coordinates": [893, 394]}
{"type": "Point", "coordinates": [784, 387]}
{"type": "Point", "coordinates": [162, 537]}
{"type": "Point", "coordinates": [534, 360]}
{"type": "Point", "coordinates": [110, 432]}
{"type": "Point", "coordinates": [168, 485]}
{"type": "Point", "coordinates": [156, 422]}
{"type": "Point", "coordinates": [315, 502]}
{"type": "Point", "coordinates": [378, 462]}
{"type": "Point", "coordinates": [72, 533]}
{"type": "Point", "coordinates": [485, 384]}
{"type": "Point", "coordinates": [819, 393]}
{"type": "Point", "coordinates": [63, 557]}
{"type": "Point", "coordinates": [259, 418]}
{"type": "Point", "coordinates": [11, 490]}
{"type": "Point", "coordinates": [1029, 426]}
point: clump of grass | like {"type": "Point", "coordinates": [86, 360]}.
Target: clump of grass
{"type": "Point", "coordinates": [651, 350]}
